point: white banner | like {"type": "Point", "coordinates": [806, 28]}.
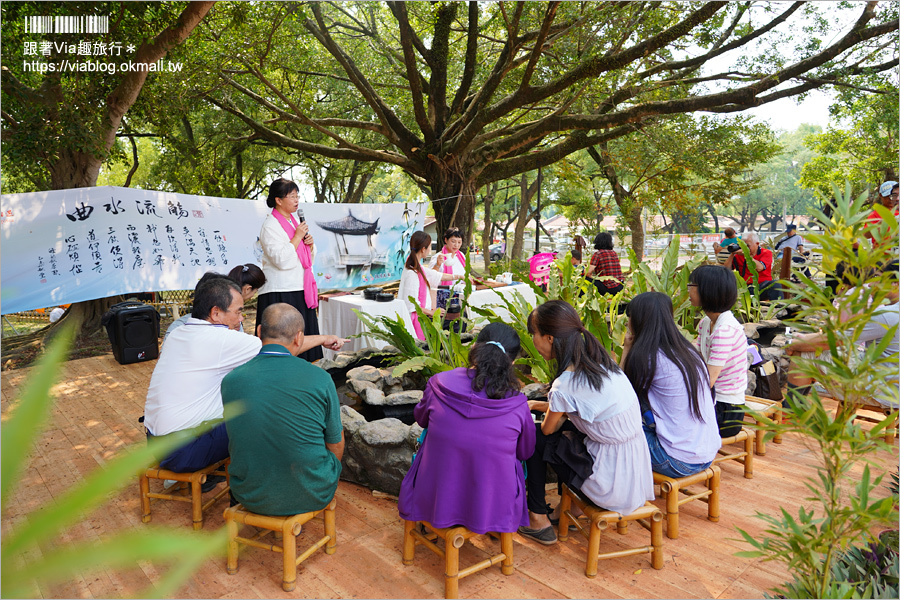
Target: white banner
{"type": "Point", "coordinates": [72, 245]}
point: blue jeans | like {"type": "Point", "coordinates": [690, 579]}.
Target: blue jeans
{"type": "Point", "coordinates": [666, 465]}
{"type": "Point", "coordinates": [209, 448]}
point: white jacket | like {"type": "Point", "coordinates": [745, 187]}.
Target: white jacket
{"type": "Point", "coordinates": [280, 262]}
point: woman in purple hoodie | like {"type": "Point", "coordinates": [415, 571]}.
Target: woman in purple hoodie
{"type": "Point", "coordinates": [467, 471]}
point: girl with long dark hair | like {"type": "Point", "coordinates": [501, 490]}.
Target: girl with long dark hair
{"type": "Point", "coordinates": [722, 343]}
{"type": "Point", "coordinates": [468, 470]}
{"type": "Point", "coordinates": [591, 434]}
{"type": "Point", "coordinates": [672, 387]}
{"type": "Point", "coordinates": [420, 283]}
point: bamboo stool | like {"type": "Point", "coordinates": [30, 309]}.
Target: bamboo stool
{"type": "Point", "coordinates": [670, 489]}
{"type": "Point", "coordinates": [648, 516]}
{"type": "Point", "coordinates": [179, 493]}
{"type": "Point", "coordinates": [744, 457]}
{"type": "Point", "coordinates": [454, 538]}
{"type": "Point", "coordinates": [286, 528]}
{"type": "Point", "coordinates": [890, 435]}
{"type": "Point", "coordinates": [767, 408]}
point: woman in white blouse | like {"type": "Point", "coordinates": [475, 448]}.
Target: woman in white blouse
{"type": "Point", "coordinates": [420, 283]}
{"type": "Point", "coordinates": [450, 259]}
{"type": "Point", "coordinates": [288, 254]}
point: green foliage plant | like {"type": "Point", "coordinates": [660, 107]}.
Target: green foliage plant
{"type": "Point", "coordinates": [841, 508]}
{"type": "Point", "coordinates": [671, 280]}
{"type": "Point", "coordinates": [20, 432]}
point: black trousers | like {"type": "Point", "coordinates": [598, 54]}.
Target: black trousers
{"type": "Point", "coordinates": [298, 301]}
{"type": "Point", "coordinates": [729, 418]}
{"type": "Point", "coordinates": [536, 482]}
{"type": "Point", "coordinates": [602, 289]}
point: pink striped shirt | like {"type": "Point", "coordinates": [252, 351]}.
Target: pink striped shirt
{"type": "Point", "coordinates": [725, 345]}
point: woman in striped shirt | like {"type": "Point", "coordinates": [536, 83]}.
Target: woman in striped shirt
{"type": "Point", "coordinates": [722, 343]}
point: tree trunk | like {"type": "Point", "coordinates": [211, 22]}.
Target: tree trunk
{"type": "Point", "coordinates": [624, 200]}
{"type": "Point", "coordinates": [488, 228]}
{"type": "Point", "coordinates": [74, 169]}
{"type": "Point", "coordinates": [525, 194]}
{"type": "Point", "coordinates": [453, 202]}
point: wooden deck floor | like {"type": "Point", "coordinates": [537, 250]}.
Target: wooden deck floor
{"type": "Point", "coordinates": [95, 416]}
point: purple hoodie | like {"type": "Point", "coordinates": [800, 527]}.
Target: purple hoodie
{"type": "Point", "coordinates": [467, 471]}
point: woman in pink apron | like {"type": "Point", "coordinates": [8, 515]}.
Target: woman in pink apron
{"type": "Point", "coordinates": [450, 259]}
{"type": "Point", "coordinates": [418, 285]}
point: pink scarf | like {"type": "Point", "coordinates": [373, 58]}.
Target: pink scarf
{"type": "Point", "coordinates": [459, 256]}
{"type": "Point", "coordinates": [310, 289]}
{"type": "Point", "coordinates": [423, 289]}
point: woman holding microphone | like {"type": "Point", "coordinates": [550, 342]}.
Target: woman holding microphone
{"type": "Point", "coordinates": [288, 254]}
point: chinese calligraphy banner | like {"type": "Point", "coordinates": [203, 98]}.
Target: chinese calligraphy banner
{"type": "Point", "coordinates": [72, 245]}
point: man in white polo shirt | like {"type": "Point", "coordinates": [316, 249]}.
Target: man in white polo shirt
{"type": "Point", "coordinates": [185, 389]}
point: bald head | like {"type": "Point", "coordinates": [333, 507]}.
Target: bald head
{"type": "Point", "coordinates": [280, 324]}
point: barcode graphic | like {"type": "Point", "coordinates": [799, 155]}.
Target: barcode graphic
{"type": "Point", "coordinates": [70, 24]}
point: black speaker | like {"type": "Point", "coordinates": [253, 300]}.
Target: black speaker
{"type": "Point", "coordinates": [133, 329]}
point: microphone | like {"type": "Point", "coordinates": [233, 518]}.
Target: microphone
{"type": "Point", "coordinates": [300, 216]}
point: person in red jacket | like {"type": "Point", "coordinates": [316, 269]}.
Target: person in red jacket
{"type": "Point", "coordinates": [762, 259]}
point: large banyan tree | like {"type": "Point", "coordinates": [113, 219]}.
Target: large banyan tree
{"type": "Point", "coordinates": [460, 95]}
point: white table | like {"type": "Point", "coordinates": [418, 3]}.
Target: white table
{"type": "Point", "coordinates": [492, 298]}
{"type": "Point", "coordinates": [336, 317]}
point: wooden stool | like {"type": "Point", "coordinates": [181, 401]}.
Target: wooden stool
{"type": "Point", "coordinates": [670, 489]}
{"type": "Point", "coordinates": [454, 538]}
{"type": "Point", "coordinates": [890, 434]}
{"type": "Point", "coordinates": [288, 528]}
{"type": "Point", "coordinates": [744, 457]}
{"type": "Point", "coordinates": [767, 408]}
{"type": "Point", "coordinates": [648, 516]}
{"type": "Point", "coordinates": [179, 491]}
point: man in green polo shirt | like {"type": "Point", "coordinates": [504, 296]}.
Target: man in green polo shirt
{"type": "Point", "coordinates": [286, 441]}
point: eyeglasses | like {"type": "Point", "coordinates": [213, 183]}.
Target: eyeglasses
{"type": "Point", "coordinates": [292, 197]}
{"type": "Point", "coordinates": [692, 285]}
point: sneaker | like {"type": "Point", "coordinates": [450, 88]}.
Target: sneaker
{"type": "Point", "coordinates": [545, 536]}
{"type": "Point", "coordinates": [211, 482]}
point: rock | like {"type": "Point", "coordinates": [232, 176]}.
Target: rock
{"type": "Point", "coordinates": [344, 359]}
{"type": "Point", "coordinates": [365, 373]}
{"type": "Point", "coordinates": [393, 389]}
{"type": "Point", "coordinates": [536, 391]}
{"type": "Point", "coordinates": [345, 397]}
{"type": "Point", "coordinates": [415, 430]}
{"type": "Point", "coordinates": [779, 341]}
{"type": "Point", "coordinates": [388, 378]}
{"type": "Point", "coordinates": [374, 396]}
{"type": "Point", "coordinates": [359, 386]}
{"type": "Point", "coordinates": [351, 420]}
{"type": "Point", "coordinates": [326, 363]}
{"type": "Point", "coordinates": [390, 350]}
{"type": "Point", "coordinates": [751, 330]}
{"type": "Point", "coordinates": [404, 397]}
{"type": "Point", "coordinates": [771, 323]}
{"type": "Point", "coordinates": [751, 383]}
{"type": "Point", "coordinates": [384, 432]}
{"type": "Point", "coordinates": [773, 354]}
